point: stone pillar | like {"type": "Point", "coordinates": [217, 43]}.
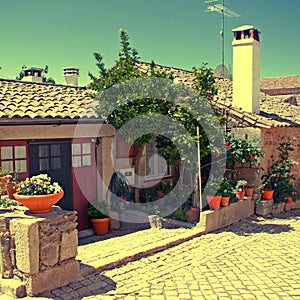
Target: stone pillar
{"type": "Point", "coordinates": [42, 250]}
{"type": "Point", "coordinates": [105, 155]}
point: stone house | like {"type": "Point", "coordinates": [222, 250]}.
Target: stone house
{"type": "Point", "coordinates": [53, 128]}
{"type": "Point", "coordinates": [40, 133]}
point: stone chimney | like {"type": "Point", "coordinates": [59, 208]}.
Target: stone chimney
{"type": "Point", "coordinates": [246, 68]}
{"type": "Point", "coordinates": [71, 75]}
{"type": "Point", "coordinates": [33, 74]}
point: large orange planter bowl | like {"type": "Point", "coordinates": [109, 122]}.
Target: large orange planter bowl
{"type": "Point", "coordinates": [39, 204]}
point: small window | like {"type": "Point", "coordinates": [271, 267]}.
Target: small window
{"type": "Point", "coordinates": [156, 165]}
{"type": "Point", "coordinates": [81, 155]}
{"type": "Point", "coordinates": [49, 157]}
{"type": "Point", "coordinates": [13, 158]}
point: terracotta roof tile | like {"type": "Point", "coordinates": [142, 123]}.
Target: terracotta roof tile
{"type": "Point", "coordinates": [273, 112]}
{"type": "Point", "coordinates": [20, 99]}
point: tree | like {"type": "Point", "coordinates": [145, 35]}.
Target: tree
{"type": "Point", "coordinates": [185, 112]}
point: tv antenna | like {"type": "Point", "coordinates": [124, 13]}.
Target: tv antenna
{"type": "Point", "coordinates": [225, 12]}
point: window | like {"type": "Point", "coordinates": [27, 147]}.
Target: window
{"type": "Point", "coordinates": [81, 155]}
{"type": "Point", "coordinates": [13, 158]}
{"type": "Point", "coordinates": [49, 157]}
{"type": "Point", "coordinates": [156, 165]}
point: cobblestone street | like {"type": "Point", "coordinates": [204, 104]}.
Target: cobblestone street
{"type": "Point", "coordinates": [254, 259]}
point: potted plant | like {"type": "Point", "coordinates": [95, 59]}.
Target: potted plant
{"type": "Point", "coordinates": [98, 214]}
{"type": "Point", "coordinates": [227, 191]}
{"type": "Point", "coordinates": [239, 189]}
{"type": "Point", "coordinates": [249, 190]}
{"type": "Point", "coordinates": [213, 192]}
{"type": "Point", "coordinates": [278, 182]}
{"type": "Point", "coordinates": [241, 151]}
{"type": "Point", "coordinates": [12, 185]}
{"type": "Point", "coordinates": [5, 177]}
{"type": "Point", "coordinates": [39, 194]}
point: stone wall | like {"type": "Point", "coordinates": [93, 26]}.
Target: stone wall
{"type": "Point", "coordinates": [38, 251]}
{"type": "Point", "coordinates": [271, 138]}
{"type": "Point", "coordinates": [268, 207]}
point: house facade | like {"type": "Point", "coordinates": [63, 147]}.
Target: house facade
{"type": "Point", "coordinates": [53, 129]}
{"type": "Point", "coordinates": [40, 133]}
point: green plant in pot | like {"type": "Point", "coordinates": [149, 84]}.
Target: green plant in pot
{"type": "Point", "coordinates": [12, 185]}
{"type": "Point", "coordinates": [279, 177]}
{"type": "Point", "coordinates": [227, 191]}
{"type": "Point", "coordinates": [213, 192]}
{"type": "Point", "coordinates": [98, 213]}
{"type": "Point", "coordinates": [240, 189]}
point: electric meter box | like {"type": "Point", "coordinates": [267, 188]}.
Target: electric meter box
{"type": "Point", "coordinates": [129, 174]}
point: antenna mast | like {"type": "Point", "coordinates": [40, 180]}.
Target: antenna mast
{"type": "Point", "coordinates": [225, 12]}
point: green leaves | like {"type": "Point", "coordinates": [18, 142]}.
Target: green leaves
{"type": "Point", "coordinates": [280, 177]}
{"type": "Point", "coordinates": [242, 151]}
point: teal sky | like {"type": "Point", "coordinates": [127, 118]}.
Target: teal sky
{"type": "Point", "coordinates": [176, 33]}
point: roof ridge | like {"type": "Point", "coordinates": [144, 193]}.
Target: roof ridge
{"type": "Point", "coordinates": [42, 83]}
{"type": "Point", "coordinates": [168, 67]}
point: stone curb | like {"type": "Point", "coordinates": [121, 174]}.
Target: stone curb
{"type": "Point", "coordinates": [114, 262]}
{"type": "Point", "coordinates": [211, 221]}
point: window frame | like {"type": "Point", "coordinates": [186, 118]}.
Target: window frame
{"type": "Point", "coordinates": [14, 144]}
{"type": "Point", "coordinates": [156, 175]}
{"type": "Point", "coordinates": [82, 154]}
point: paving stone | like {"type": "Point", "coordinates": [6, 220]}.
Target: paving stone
{"type": "Point", "coordinates": [257, 258]}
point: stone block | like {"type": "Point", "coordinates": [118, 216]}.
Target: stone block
{"type": "Point", "coordinates": [158, 222]}
{"type": "Point", "coordinates": [278, 208]}
{"type": "Point", "coordinates": [69, 242]}
{"type": "Point", "coordinates": [297, 204]}
{"type": "Point", "coordinates": [4, 223]}
{"type": "Point", "coordinates": [6, 259]}
{"type": "Point", "coordinates": [53, 278]}
{"type": "Point", "coordinates": [155, 221]}
{"type": "Point", "coordinates": [12, 287]}
{"type": "Point", "coordinates": [289, 206]}
{"type": "Point", "coordinates": [114, 223]}
{"type": "Point", "coordinates": [49, 254]}
{"type": "Point", "coordinates": [264, 207]}
{"type": "Point", "coordinates": [26, 235]}
{"type": "Point", "coordinates": [216, 219]}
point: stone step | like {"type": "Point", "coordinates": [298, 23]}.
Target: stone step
{"type": "Point", "coordinates": [13, 288]}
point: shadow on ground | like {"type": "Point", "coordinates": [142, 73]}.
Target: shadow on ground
{"type": "Point", "coordinates": [255, 225]}
{"type": "Point", "coordinates": [94, 285]}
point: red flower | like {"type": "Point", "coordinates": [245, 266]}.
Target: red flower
{"type": "Point", "coordinates": [252, 157]}
{"type": "Point", "coordinates": [228, 146]}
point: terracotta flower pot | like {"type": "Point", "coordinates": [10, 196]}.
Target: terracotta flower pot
{"type": "Point", "coordinates": [214, 202]}
{"type": "Point", "coordinates": [193, 214]}
{"type": "Point", "coordinates": [240, 195]}
{"type": "Point", "coordinates": [249, 192]}
{"type": "Point", "coordinates": [100, 225]}
{"type": "Point", "coordinates": [268, 194]}
{"type": "Point", "coordinates": [39, 204]}
{"type": "Point", "coordinates": [11, 189]}
{"type": "Point", "coordinates": [225, 201]}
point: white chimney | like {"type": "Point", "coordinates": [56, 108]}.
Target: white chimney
{"type": "Point", "coordinates": [33, 74]}
{"type": "Point", "coordinates": [246, 68]}
{"type": "Point", "coordinates": [71, 75]}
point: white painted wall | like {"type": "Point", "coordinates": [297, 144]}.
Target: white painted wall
{"type": "Point", "coordinates": [246, 74]}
